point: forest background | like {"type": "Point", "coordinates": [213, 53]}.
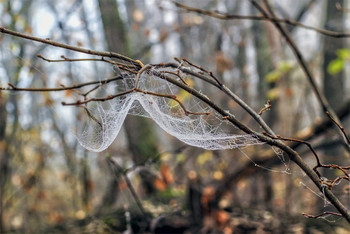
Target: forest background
{"type": "Point", "coordinates": [147, 180]}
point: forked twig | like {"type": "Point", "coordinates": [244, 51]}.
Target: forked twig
{"type": "Point", "coordinates": [176, 74]}
{"type": "Point", "coordinates": [204, 70]}
{"type": "Point", "coordinates": [329, 183]}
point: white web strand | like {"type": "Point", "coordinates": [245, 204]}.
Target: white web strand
{"type": "Point", "coordinates": [204, 131]}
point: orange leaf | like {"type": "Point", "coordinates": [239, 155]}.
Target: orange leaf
{"type": "Point", "coordinates": [167, 174]}
{"type": "Point", "coordinates": [68, 93]}
{"type": "Point", "coordinates": [159, 184]}
{"type": "Point", "coordinates": [208, 195]}
{"type": "Point", "coordinates": [222, 217]}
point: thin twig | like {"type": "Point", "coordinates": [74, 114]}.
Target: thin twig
{"type": "Point", "coordinates": [176, 74]}
{"type": "Point", "coordinates": [340, 127]}
{"type": "Point", "coordinates": [65, 59]}
{"type": "Point", "coordinates": [322, 214]}
{"type": "Point", "coordinates": [329, 183]}
{"type": "Point", "coordinates": [266, 107]}
{"type": "Point", "coordinates": [224, 16]}
{"type": "Point", "coordinates": [131, 188]}
{"type": "Point", "coordinates": [62, 88]}
{"type": "Point", "coordinates": [204, 70]}
{"type": "Point", "coordinates": [138, 77]}
{"type": "Point", "coordinates": [69, 47]}
{"type": "Point", "coordinates": [103, 99]}
{"type": "Point", "coordinates": [91, 116]}
{"type": "Point", "coordinates": [278, 137]}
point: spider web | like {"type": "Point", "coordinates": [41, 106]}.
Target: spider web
{"type": "Point", "coordinates": [207, 131]}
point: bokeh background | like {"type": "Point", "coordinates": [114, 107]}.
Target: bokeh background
{"type": "Point", "coordinates": [49, 183]}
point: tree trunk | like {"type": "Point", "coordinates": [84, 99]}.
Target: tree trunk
{"type": "Point", "coordinates": [3, 163]}
{"type": "Point", "coordinates": [141, 140]}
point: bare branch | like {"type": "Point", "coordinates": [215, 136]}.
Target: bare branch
{"type": "Point", "coordinates": [224, 16]}
{"type": "Point", "coordinates": [62, 88]}
{"type": "Point", "coordinates": [340, 127]}
{"type": "Point", "coordinates": [320, 96]}
{"type": "Point", "coordinates": [73, 48]}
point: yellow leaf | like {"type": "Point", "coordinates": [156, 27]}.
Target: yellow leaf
{"type": "Point", "coordinates": [204, 157]}
{"type": "Point", "coordinates": [273, 94]}
{"type": "Point", "coordinates": [218, 175]}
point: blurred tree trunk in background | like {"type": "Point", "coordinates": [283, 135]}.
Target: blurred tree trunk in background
{"type": "Point", "coordinates": [333, 83]}
{"type": "Point", "coordinates": [141, 141]}
{"type": "Point", "coordinates": [3, 163]}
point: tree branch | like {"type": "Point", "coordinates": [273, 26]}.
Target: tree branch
{"type": "Point", "coordinates": [224, 16]}
{"type": "Point", "coordinates": [73, 48]}
{"type": "Point", "coordinates": [321, 98]}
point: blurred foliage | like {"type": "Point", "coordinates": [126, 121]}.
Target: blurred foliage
{"type": "Point", "coordinates": [338, 64]}
{"type": "Point", "coordinates": [50, 184]}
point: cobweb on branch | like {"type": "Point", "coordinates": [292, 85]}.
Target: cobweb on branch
{"type": "Point", "coordinates": [208, 131]}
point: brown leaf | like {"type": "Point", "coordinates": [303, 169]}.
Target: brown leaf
{"type": "Point", "coordinates": [163, 35]}
{"type": "Point", "coordinates": [222, 62]}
